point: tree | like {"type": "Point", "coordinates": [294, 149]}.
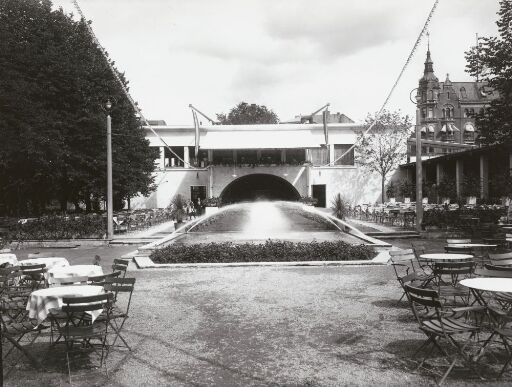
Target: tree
{"type": "Point", "coordinates": [53, 83]}
{"type": "Point", "coordinates": [383, 148]}
{"type": "Point", "coordinates": [491, 62]}
{"type": "Point", "coordinates": [245, 113]}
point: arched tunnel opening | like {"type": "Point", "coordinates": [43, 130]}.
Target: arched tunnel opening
{"type": "Point", "coordinates": [259, 187]}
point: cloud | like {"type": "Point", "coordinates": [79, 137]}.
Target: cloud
{"type": "Point", "coordinates": [338, 29]}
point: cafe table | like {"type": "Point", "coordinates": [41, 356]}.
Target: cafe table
{"type": "Point", "coordinates": [41, 301]}
{"type": "Point", "coordinates": [9, 258]}
{"type": "Point", "coordinates": [50, 262]}
{"type": "Point", "coordinates": [471, 245]}
{"type": "Point", "coordinates": [446, 257]}
{"type": "Point", "coordinates": [74, 271]}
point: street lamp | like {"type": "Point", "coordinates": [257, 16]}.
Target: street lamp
{"type": "Point", "coordinates": [110, 214]}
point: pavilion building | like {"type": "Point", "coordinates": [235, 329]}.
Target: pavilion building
{"type": "Point", "coordinates": [248, 162]}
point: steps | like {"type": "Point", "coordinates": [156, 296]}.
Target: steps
{"type": "Point", "coordinates": [394, 234]}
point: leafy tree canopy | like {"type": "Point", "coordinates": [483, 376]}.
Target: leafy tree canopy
{"type": "Point", "coordinates": [53, 83]}
{"type": "Point", "coordinates": [245, 113]}
{"type": "Point", "coordinates": [491, 61]}
{"type": "Point", "coordinates": [384, 147]}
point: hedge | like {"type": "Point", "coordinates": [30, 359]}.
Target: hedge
{"type": "Point", "coordinates": [270, 251]}
{"type": "Point", "coordinates": [452, 218]}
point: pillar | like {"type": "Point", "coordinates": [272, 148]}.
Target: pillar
{"type": "Point", "coordinates": [459, 175]}
{"type": "Point", "coordinates": [484, 176]}
{"type": "Point", "coordinates": [331, 154]}
{"type": "Point", "coordinates": [258, 155]}
{"type": "Point", "coordinates": [210, 185]}
{"type": "Point", "coordinates": [283, 155]}
{"type": "Point", "coordinates": [235, 156]}
{"type": "Point", "coordinates": [308, 180]}
{"type": "Point", "coordinates": [439, 178]}
{"type": "Point", "coordinates": [186, 157]}
{"type": "Point", "coordinates": [210, 156]}
{"type": "Point", "coordinates": [161, 164]}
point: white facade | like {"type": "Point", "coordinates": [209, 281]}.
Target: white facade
{"type": "Point", "coordinates": [295, 154]}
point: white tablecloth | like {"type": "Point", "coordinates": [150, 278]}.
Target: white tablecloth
{"type": "Point", "coordinates": [489, 284]}
{"type": "Point", "coordinates": [41, 301]}
{"type": "Point", "coordinates": [50, 262]}
{"type": "Point", "coordinates": [8, 258]}
{"type": "Point", "coordinates": [74, 271]}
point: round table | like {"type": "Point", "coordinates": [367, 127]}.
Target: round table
{"type": "Point", "coordinates": [468, 245]}
{"type": "Point", "coordinates": [8, 258]}
{"type": "Point", "coordinates": [446, 257]}
{"type": "Point", "coordinates": [487, 284]}
{"type": "Point", "coordinates": [50, 262]}
{"type": "Point", "coordinates": [41, 301]}
{"type": "Point", "coordinates": [74, 271]}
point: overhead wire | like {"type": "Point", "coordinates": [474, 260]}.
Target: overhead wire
{"type": "Point", "coordinates": [121, 84]}
{"type": "Point", "coordinates": [406, 64]}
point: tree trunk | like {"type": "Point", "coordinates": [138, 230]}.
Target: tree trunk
{"type": "Point", "coordinates": [382, 187]}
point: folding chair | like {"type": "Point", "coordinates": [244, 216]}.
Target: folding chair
{"type": "Point", "coordinates": [120, 265]}
{"type": "Point", "coordinates": [458, 250]}
{"type": "Point", "coordinates": [79, 328]}
{"type": "Point", "coordinates": [502, 259]}
{"type": "Point", "coordinates": [16, 325]}
{"type": "Point", "coordinates": [34, 276]}
{"type": "Point", "coordinates": [100, 279]}
{"type": "Point", "coordinates": [420, 248]}
{"type": "Point", "coordinates": [439, 324]}
{"type": "Point", "coordinates": [121, 308]}
{"type": "Point", "coordinates": [77, 280]}
{"type": "Point", "coordinates": [457, 241]}
{"type": "Point", "coordinates": [405, 270]}
{"type": "Point", "coordinates": [448, 275]}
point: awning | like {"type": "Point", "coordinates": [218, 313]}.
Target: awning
{"type": "Point", "coordinates": [429, 128]}
{"type": "Point", "coordinates": [449, 128]}
{"type": "Point", "coordinates": [269, 140]}
{"type": "Point", "coordinates": [469, 127]}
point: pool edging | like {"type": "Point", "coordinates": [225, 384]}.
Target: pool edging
{"type": "Point", "coordinates": [144, 262]}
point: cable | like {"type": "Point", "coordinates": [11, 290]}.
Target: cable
{"type": "Point", "coordinates": [123, 87]}
{"type": "Point", "coordinates": [379, 113]}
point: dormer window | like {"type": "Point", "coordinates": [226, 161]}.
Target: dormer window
{"type": "Point", "coordinates": [463, 93]}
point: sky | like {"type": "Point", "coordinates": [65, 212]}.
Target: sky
{"type": "Point", "coordinates": [292, 56]}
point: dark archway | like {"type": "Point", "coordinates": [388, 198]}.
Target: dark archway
{"type": "Point", "coordinates": [259, 186]}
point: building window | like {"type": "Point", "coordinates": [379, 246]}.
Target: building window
{"type": "Point", "coordinates": [319, 156]}
{"type": "Point", "coordinates": [448, 95]}
{"type": "Point", "coordinates": [463, 94]}
{"type": "Point", "coordinates": [431, 94]}
{"type": "Point", "coordinates": [430, 113]}
{"type": "Point", "coordinates": [295, 156]}
{"type": "Point", "coordinates": [174, 159]}
{"type": "Point", "coordinates": [444, 113]}
{"type": "Point", "coordinates": [423, 113]}
{"type": "Point", "coordinates": [348, 159]}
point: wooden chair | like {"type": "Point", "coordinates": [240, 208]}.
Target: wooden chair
{"type": "Point", "coordinates": [502, 259]}
{"type": "Point", "coordinates": [121, 305]}
{"type": "Point", "coordinates": [420, 248]}
{"type": "Point", "coordinates": [16, 325]}
{"type": "Point", "coordinates": [120, 265]}
{"type": "Point", "coordinates": [437, 324]}
{"type": "Point", "coordinates": [458, 241]}
{"type": "Point", "coordinates": [78, 327]}
{"type": "Point", "coordinates": [404, 265]}
{"type": "Point", "coordinates": [448, 275]}
{"type": "Point", "coordinates": [458, 250]}
{"type": "Point", "coordinates": [34, 276]}
{"type": "Point", "coordinates": [100, 279]}
{"type": "Point", "coordinates": [77, 280]}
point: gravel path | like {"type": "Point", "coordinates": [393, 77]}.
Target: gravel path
{"type": "Point", "coordinates": [257, 326]}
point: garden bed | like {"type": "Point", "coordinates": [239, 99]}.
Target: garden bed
{"type": "Point", "coordinates": [270, 251]}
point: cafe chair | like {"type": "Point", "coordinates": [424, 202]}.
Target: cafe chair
{"type": "Point", "coordinates": [34, 276]}
{"type": "Point", "coordinates": [446, 330]}
{"type": "Point", "coordinates": [99, 280]}
{"type": "Point", "coordinates": [122, 288]}
{"type": "Point", "coordinates": [16, 325]}
{"type": "Point", "coordinates": [448, 275]}
{"type": "Point", "coordinates": [502, 259]}
{"type": "Point", "coordinates": [120, 265]}
{"type": "Point", "coordinates": [458, 250]}
{"type": "Point", "coordinates": [407, 269]}
{"type": "Point", "coordinates": [79, 332]}
{"type": "Point", "coordinates": [66, 281]}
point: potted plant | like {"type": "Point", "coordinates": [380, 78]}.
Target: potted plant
{"type": "Point", "coordinates": [391, 191]}
{"type": "Point", "coordinates": [339, 207]}
{"type": "Point", "coordinates": [178, 211]}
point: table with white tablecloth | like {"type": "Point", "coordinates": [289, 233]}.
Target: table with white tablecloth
{"type": "Point", "coordinates": [50, 262]}
{"type": "Point", "coordinates": [8, 258]}
{"type": "Point", "coordinates": [74, 271]}
{"type": "Point", "coordinates": [41, 301]}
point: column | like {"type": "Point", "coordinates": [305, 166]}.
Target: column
{"type": "Point", "coordinates": [210, 156]}
{"type": "Point", "coordinates": [308, 180]}
{"type": "Point", "coordinates": [211, 194]}
{"type": "Point", "coordinates": [484, 176]}
{"type": "Point", "coordinates": [258, 155]}
{"type": "Point", "coordinates": [186, 157]}
{"type": "Point", "coordinates": [161, 164]}
{"type": "Point", "coordinates": [459, 175]}
{"type": "Point", "coordinates": [331, 154]}
{"type": "Point", "coordinates": [235, 156]}
{"type": "Point", "coordinates": [283, 155]}
{"type": "Point", "coordinates": [439, 173]}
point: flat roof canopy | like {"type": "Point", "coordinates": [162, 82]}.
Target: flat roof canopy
{"type": "Point", "coordinates": [279, 136]}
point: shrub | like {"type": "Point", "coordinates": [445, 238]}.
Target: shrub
{"type": "Point", "coordinates": [212, 202]}
{"type": "Point", "coordinates": [270, 251]}
{"type": "Point", "coordinates": [452, 218]}
{"type": "Point", "coordinates": [58, 227]}
{"type": "Point", "coordinates": [178, 208]}
{"type": "Point", "coordinates": [339, 206]}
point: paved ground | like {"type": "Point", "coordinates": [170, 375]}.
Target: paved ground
{"type": "Point", "coordinates": [258, 326]}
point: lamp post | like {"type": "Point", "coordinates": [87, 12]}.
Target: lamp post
{"type": "Point", "coordinates": [110, 214]}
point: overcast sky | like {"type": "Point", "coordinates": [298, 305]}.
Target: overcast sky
{"type": "Point", "coordinates": [291, 55]}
